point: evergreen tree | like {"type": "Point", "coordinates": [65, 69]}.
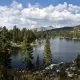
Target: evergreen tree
{"type": "Point", "coordinates": [27, 50]}
{"type": "Point", "coordinates": [30, 36]}
{"type": "Point", "coordinates": [23, 33]}
{"type": "Point", "coordinates": [76, 32]}
{"type": "Point", "coordinates": [5, 47]}
{"type": "Point", "coordinates": [16, 35]}
{"type": "Point", "coordinates": [47, 56]}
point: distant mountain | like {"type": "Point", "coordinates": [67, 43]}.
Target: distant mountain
{"type": "Point", "coordinates": [45, 28]}
{"type": "Point", "coordinates": [78, 26]}
{"type": "Point", "coordinates": [51, 28]}
{"type": "Point", "coordinates": [63, 29]}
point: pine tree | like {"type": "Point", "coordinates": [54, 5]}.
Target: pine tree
{"type": "Point", "coordinates": [47, 55]}
{"type": "Point", "coordinates": [16, 35]}
{"type": "Point", "coordinates": [5, 47]}
{"type": "Point", "coordinates": [27, 50]}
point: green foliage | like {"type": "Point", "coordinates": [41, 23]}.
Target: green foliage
{"type": "Point", "coordinates": [76, 32]}
{"type": "Point", "coordinates": [19, 35]}
{"type": "Point", "coordinates": [16, 34]}
{"type": "Point", "coordinates": [27, 50]}
{"type": "Point", "coordinates": [5, 47]}
{"type": "Point", "coordinates": [48, 55]}
{"type": "Point", "coordinates": [30, 36]}
{"type": "Point", "coordinates": [78, 61]}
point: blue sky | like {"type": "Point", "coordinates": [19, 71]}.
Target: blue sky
{"type": "Point", "coordinates": [39, 13]}
{"type": "Point", "coordinates": [43, 3]}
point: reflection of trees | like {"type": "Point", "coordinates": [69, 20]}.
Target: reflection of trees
{"type": "Point", "coordinates": [37, 61]}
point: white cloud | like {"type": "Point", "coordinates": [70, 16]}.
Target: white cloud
{"type": "Point", "coordinates": [34, 16]}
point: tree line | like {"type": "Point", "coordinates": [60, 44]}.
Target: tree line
{"type": "Point", "coordinates": [24, 38]}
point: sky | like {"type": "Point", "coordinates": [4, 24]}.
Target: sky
{"type": "Point", "coordinates": [39, 13]}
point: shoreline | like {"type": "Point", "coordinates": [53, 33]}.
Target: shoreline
{"type": "Point", "coordinates": [69, 38]}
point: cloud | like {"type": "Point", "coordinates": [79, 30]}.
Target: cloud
{"type": "Point", "coordinates": [35, 16]}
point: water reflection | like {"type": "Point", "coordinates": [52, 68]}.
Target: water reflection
{"type": "Point", "coordinates": [63, 50]}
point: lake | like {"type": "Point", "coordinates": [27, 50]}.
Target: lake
{"type": "Point", "coordinates": [63, 50]}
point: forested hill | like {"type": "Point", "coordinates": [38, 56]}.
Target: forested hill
{"type": "Point", "coordinates": [69, 28]}
{"type": "Point", "coordinates": [17, 35]}
{"type": "Point", "coordinates": [63, 31]}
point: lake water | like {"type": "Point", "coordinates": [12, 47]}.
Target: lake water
{"type": "Point", "coordinates": [63, 50]}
